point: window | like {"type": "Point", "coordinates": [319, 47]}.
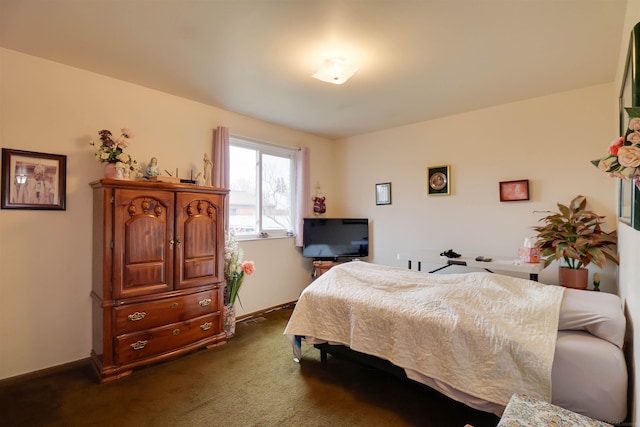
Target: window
{"type": "Point", "coordinates": [262, 184]}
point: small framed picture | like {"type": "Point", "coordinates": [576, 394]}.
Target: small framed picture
{"type": "Point", "coordinates": [33, 180]}
{"type": "Point", "coordinates": [513, 191]}
{"type": "Point", "coordinates": [438, 180]}
{"type": "Point", "coordinates": [383, 193]}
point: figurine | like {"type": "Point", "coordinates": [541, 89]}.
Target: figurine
{"type": "Point", "coordinates": [318, 202]}
{"type": "Point", "coordinates": [120, 170]}
{"type": "Point", "coordinates": [152, 168]}
{"type": "Point", "coordinates": [199, 179]}
{"type": "Point", "coordinates": [208, 165]}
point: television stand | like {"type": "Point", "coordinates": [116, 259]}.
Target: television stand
{"type": "Point", "coordinates": [321, 267]}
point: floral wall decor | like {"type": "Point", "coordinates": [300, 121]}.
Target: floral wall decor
{"type": "Point", "coordinates": [623, 158]}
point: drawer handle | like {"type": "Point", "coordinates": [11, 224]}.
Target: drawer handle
{"type": "Point", "coordinates": [206, 326]}
{"type": "Point", "coordinates": [176, 331]}
{"type": "Point", "coordinates": [174, 305]}
{"type": "Point", "coordinates": [205, 302]}
{"type": "Point", "coordinates": [139, 345]}
{"type": "Point", "coordinates": [138, 315]}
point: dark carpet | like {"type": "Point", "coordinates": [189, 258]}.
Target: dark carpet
{"type": "Point", "coordinates": [250, 381]}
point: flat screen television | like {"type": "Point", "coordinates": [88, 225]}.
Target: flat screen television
{"type": "Point", "coordinates": [335, 238]}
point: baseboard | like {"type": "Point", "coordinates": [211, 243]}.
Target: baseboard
{"type": "Point", "coordinates": [264, 311]}
{"type": "Point", "coordinates": [45, 372]}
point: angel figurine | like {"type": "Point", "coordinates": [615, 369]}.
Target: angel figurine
{"type": "Point", "coordinates": [200, 179]}
{"type": "Point", "coordinates": [208, 165]}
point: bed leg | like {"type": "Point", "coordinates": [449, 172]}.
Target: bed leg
{"type": "Point", "coordinates": [323, 356]}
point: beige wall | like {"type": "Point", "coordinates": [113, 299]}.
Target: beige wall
{"type": "Point", "coordinates": [45, 256]}
{"type": "Point", "coordinates": [548, 140]}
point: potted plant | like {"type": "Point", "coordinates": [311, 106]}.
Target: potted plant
{"type": "Point", "coordinates": [574, 235]}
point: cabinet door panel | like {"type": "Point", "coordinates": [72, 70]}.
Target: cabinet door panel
{"type": "Point", "coordinates": [200, 227]}
{"type": "Point", "coordinates": [144, 275]}
{"type": "Point", "coordinates": [199, 247]}
{"type": "Point", "coordinates": [149, 242]}
{"type": "Point", "coordinates": [143, 233]}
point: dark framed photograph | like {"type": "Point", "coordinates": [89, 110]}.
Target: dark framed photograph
{"type": "Point", "coordinates": [383, 193]}
{"type": "Point", "coordinates": [33, 180]}
{"type": "Point", "coordinates": [438, 180]}
{"type": "Point", "coordinates": [513, 191]}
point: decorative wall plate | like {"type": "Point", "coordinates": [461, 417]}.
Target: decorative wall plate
{"type": "Point", "coordinates": [438, 180]}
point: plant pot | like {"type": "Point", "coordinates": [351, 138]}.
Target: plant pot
{"type": "Point", "coordinates": [110, 171]}
{"type": "Point", "coordinates": [574, 278]}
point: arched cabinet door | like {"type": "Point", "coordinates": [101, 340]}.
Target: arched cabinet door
{"type": "Point", "coordinates": [199, 237]}
{"type": "Point", "coordinates": [143, 247]}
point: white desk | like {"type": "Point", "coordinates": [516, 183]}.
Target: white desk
{"type": "Point", "coordinates": [497, 263]}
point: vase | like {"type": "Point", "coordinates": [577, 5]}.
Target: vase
{"type": "Point", "coordinates": [574, 278]}
{"type": "Point", "coordinates": [110, 171]}
{"type": "Point", "coordinates": [229, 315]}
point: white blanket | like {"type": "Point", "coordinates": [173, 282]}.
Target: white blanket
{"type": "Point", "coordinates": [485, 334]}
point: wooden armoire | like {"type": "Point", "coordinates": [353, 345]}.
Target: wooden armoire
{"type": "Point", "coordinates": [158, 272]}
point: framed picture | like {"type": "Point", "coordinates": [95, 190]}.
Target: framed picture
{"type": "Point", "coordinates": [512, 191]}
{"type": "Point", "coordinates": [33, 180]}
{"type": "Point", "coordinates": [383, 193]}
{"type": "Point", "coordinates": [438, 180]}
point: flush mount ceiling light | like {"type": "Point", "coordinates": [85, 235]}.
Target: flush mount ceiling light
{"type": "Point", "coordinates": [335, 70]}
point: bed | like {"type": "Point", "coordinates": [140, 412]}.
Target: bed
{"type": "Point", "coordinates": [475, 337]}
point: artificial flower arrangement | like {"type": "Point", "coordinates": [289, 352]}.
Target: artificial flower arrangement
{"type": "Point", "coordinates": [131, 169]}
{"type": "Point", "coordinates": [623, 160]}
{"type": "Point", "coordinates": [111, 150]}
{"type": "Point", "coordinates": [235, 269]}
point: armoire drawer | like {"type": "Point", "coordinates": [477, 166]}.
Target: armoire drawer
{"type": "Point", "coordinates": [156, 341]}
{"type": "Point", "coordinates": [141, 316]}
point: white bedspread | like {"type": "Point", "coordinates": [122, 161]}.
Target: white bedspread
{"type": "Point", "coordinates": [485, 334]}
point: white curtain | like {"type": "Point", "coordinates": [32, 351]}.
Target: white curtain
{"type": "Point", "coordinates": [303, 196]}
{"type": "Point", "coordinates": [220, 173]}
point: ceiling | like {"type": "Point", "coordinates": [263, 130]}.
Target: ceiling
{"type": "Point", "coordinates": [417, 59]}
